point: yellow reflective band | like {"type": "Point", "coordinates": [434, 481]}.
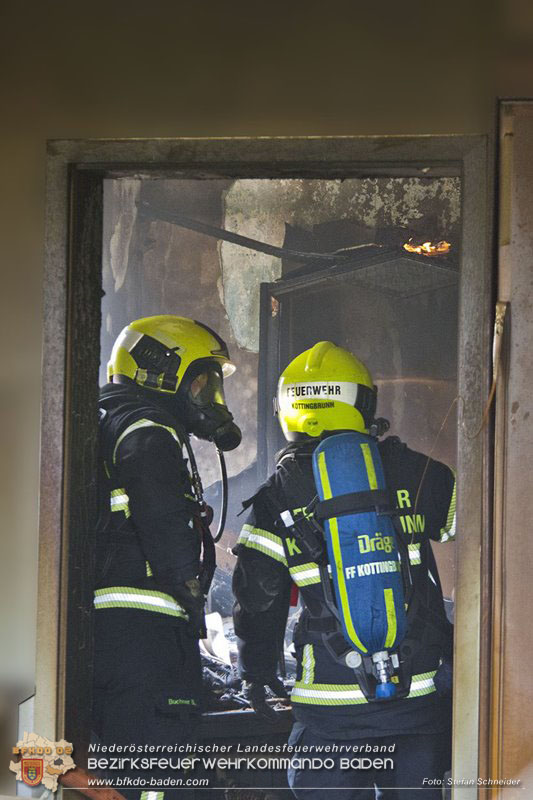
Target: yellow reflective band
{"type": "Point", "coordinates": [327, 694]}
{"type": "Point", "coordinates": [263, 541]}
{"type": "Point", "coordinates": [143, 423]}
{"type": "Point", "coordinates": [331, 694]}
{"type": "Point", "coordinates": [422, 684]}
{"type": "Point", "coordinates": [305, 574]}
{"type": "Point", "coordinates": [369, 464]}
{"type": "Point", "coordinates": [339, 567]}
{"type": "Point", "coordinates": [144, 599]}
{"type": "Point", "coordinates": [303, 567]}
{"type": "Point", "coordinates": [149, 573]}
{"type": "Point", "coordinates": [391, 617]}
{"type": "Point", "coordinates": [119, 501]}
{"type": "Point", "coordinates": [414, 553]}
{"type": "Point", "coordinates": [308, 665]}
{"type": "Point", "coordinates": [448, 532]}
{"type": "Point", "coordinates": [152, 795]}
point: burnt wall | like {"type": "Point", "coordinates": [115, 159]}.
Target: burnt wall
{"type": "Point", "coordinates": [408, 339]}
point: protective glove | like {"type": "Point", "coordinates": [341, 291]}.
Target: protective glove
{"type": "Point", "coordinates": [209, 515]}
{"type": "Point", "coordinates": [443, 679]}
{"type": "Point", "coordinates": [189, 594]}
{"type": "Point", "coordinates": [256, 696]}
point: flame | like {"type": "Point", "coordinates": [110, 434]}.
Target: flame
{"type": "Point", "coordinates": [428, 248]}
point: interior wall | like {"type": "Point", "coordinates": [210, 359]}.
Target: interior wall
{"type": "Point", "coordinates": [121, 69]}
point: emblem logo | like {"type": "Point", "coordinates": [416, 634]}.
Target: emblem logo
{"type": "Point", "coordinates": [41, 760]}
{"type": "Point", "coordinates": [31, 771]}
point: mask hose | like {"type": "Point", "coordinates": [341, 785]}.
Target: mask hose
{"type": "Point", "coordinates": [224, 503]}
{"type": "Point", "coordinates": [199, 490]}
{"type": "Point", "coordinates": [196, 480]}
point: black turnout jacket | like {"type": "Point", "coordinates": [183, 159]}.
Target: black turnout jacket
{"type": "Point", "coordinates": [269, 562]}
{"type": "Point", "coordinates": [147, 543]}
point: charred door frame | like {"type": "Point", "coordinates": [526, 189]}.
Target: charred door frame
{"type": "Point", "coordinates": [76, 170]}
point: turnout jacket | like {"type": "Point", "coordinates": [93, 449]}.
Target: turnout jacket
{"type": "Point", "coordinates": [147, 543]}
{"type": "Point", "coordinates": [269, 562]}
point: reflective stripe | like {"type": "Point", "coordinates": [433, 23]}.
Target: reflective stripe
{"type": "Point", "coordinates": [302, 512]}
{"type": "Point", "coordinates": [331, 694]}
{"type": "Point", "coordinates": [143, 423]}
{"type": "Point", "coordinates": [119, 496]}
{"type": "Point", "coordinates": [339, 567]}
{"type": "Point", "coordinates": [448, 532]}
{"type": "Point", "coordinates": [325, 694]}
{"type": "Point", "coordinates": [152, 795]}
{"type": "Point", "coordinates": [305, 574]}
{"type": "Point", "coordinates": [308, 664]}
{"type": "Point", "coordinates": [422, 684]}
{"type": "Point", "coordinates": [263, 541]}
{"type": "Point", "coordinates": [128, 597]}
{"type": "Point", "coordinates": [120, 501]}
{"type": "Point", "coordinates": [369, 464]}
{"type": "Point", "coordinates": [391, 617]}
{"type": "Point", "coordinates": [149, 573]}
{"type": "Point", "coordinates": [414, 554]}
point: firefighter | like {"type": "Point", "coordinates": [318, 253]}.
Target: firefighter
{"type": "Point", "coordinates": [165, 383]}
{"type": "Point", "coordinates": [323, 391]}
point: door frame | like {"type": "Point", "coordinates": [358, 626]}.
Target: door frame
{"type": "Point", "coordinates": [72, 284]}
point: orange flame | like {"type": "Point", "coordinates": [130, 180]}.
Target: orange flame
{"type": "Point", "coordinates": [428, 248]}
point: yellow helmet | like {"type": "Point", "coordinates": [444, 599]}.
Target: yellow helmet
{"type": "Point", "coordinates": [156, 352]}
{"type": "Point", "coordinates": [325, 388]}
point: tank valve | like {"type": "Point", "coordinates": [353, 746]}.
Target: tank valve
{"type": "Point", "coordinates": [383, 670]}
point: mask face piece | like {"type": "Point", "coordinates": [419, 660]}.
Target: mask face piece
{"type": "Point", "coordinates": [207, 415]}
{"type": "Point", "coordinates": [207, 387]}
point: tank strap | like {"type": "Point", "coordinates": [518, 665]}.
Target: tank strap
{"type": "Point", "coordinates": [377, 500]}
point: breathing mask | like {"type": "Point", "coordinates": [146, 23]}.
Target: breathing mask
{"type": "Point", "coordinates": [201, 396]}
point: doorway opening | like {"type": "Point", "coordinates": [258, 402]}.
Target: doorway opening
{"type": "Point", "coordinates": [419, 321]}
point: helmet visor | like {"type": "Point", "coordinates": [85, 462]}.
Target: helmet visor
{"type": "Point", "coordinates": [206, 387]}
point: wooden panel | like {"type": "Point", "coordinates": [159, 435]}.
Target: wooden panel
{"type": "Point", "coordinates": [79, 496]}
{"type": "Point", "coordinates": [472, 467]}
{"type": "Point", "coordinates": [512, 691]}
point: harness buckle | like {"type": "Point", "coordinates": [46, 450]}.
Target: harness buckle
{"type": "Point", "coordinates": [287, 518]}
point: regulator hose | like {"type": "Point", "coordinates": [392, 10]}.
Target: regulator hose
{"type": "Point", "coordinates": [199, 490]}
{"type": "Point", "coordinates": [224, 502]}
